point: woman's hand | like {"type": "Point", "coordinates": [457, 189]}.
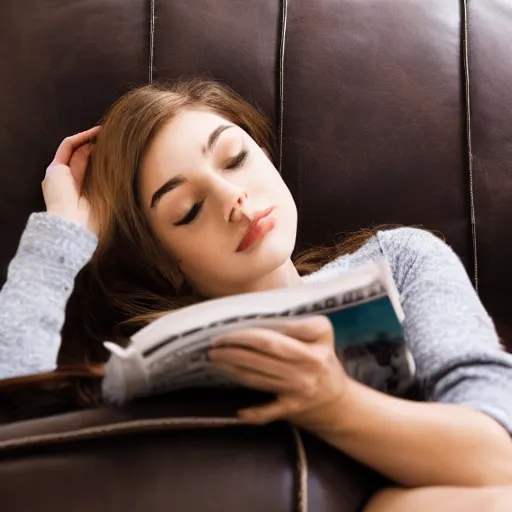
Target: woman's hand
{"type": "Point", "coordinates": [299, 364]}
{"type": "Point", "coordinates": [62, 185]}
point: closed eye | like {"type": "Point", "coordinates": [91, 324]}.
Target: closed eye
{"type": "Point", "coordinates": [196, 208]}
{"type": "Point", "coordinates": [238, 160]}
{"type": "Point", "coordinates": [191, 215]}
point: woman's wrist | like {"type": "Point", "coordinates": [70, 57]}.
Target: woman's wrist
{"type": "Point", "coordinates": [416, 443]}
{"type": "Point", "coordinates": [52, 238]}
{"type": "Point", "coordinates": [333, 417]}
{"type": "Point", "coordinates": [80, 219]}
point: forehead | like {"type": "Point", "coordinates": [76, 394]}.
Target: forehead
{"type": "Point", "coordinates": [187, 131]}
{"type": "Point", "coordinates": [177, 147]}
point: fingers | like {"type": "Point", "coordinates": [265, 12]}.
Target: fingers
{"type": "Point", "coordinates": [248, 360]}
{"type": "Point", "coordinates": [281, 408]}
{"type": "Point", "coordinates": [78, 162]}
{"type": "Point", "coordinates": [252, 379]}
{"type": "Point", "coordinates": [287, 342]}
{"type": "Point", "coordinates": [263, 379]}
{"type": "Point", "coordinates": [316, 328]}
{"type": "Point", "coordinates": [70, 144]}
{"type": "Point", "coordinates": [267, 342]}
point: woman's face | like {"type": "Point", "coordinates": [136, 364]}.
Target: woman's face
{"type": "Point", "coordinates": [204, 183]}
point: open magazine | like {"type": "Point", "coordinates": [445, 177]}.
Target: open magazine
{"type": "Point", "coordinates": [362, 304]}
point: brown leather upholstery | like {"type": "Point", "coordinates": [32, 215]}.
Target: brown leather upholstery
{"type": "Point", "coordinates": [386, 111]}
{"type": "Point", "coordinates": [139, 460]}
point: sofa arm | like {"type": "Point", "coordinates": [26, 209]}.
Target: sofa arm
{"type": "Point", "coordinates": [181, 451]}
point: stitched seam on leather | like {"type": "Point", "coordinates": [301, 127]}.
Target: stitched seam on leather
{"type": "Point", "coordinates": [151, 39]}
{"type": "Point", "coordinates": [302, 471]}
{"type": "Point", "coordinates": [284, 19]}
{"type": "Point", "coordinates": [125, 427]}
{"type": "Point", "coordinates": [465, 52]}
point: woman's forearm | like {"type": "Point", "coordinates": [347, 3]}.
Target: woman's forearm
{"type": "Point", "coordinates": [33, 300]}
{"type": "Point", "coordinates": [417, 444]}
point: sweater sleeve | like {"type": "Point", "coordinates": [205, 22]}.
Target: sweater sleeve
{"type": "Point", "coordinates": [451, 336]}
{"type": "Point", "coordinates": [40, 279]}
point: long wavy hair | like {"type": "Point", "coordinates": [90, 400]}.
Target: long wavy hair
{"type": "Point", "coordinates": [130, 279]}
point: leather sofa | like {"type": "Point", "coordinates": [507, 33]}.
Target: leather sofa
{"type": "Point", "coordinates": [384, 112]}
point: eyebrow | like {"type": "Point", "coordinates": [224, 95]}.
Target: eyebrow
{"type": "Point", "coordinates": [212, 139]}
{"type": "Point", "coordinates": [166, 187]}
{"type": "Point", "coordinates": [176, 181]}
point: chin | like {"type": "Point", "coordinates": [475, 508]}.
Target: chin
{"type": "Point", "coordinates": [272, 253]}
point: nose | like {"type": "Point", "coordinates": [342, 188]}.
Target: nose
{"type": "Point", "coordinates": [233, 199]}
{"type": "Point", "coordinates": [240, 210]}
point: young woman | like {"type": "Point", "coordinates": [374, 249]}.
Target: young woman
{"type": "Point", "coordinates": [181, 202]}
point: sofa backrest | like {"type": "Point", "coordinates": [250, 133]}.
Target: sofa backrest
{"type": "Point", "coordinates": [385, 112]}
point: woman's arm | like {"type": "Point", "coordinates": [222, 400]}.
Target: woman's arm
{"type": "Point", "coordinates": [52, 250]}
{"type": "Point", "coordinates": [415, 443]}
{"type": "Point", "coordinates": [463, 441]}
{"type": "Point", "coordinates": [39, 282]}
{"type": "Point", "coordinates": [459, 362]}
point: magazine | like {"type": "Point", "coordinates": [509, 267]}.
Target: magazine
{"type": "Point", "coordinates": [362, 304]}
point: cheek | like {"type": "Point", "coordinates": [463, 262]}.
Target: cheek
{"type": "Point", "coordinates": [188, 248]}
{"type": "Point", "coordinates": [165, 237]}
{"type": "Point", "coordinates": [265, 177]}
{"type": "Point", "coordinates": [274, 185]}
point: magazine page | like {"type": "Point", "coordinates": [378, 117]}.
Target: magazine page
{"type": "Point", "coordinates": [280, 302]}
{"type": "Point", "coordinates": [362, 304]}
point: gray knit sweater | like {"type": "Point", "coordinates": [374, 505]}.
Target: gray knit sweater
{"type": "Point", "coordinates": [451, 336]}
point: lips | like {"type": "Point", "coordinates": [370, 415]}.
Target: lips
{"type": "Point", "coordinates": [259, 227]}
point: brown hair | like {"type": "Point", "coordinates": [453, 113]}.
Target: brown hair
{"type": "Point", "coordinates": [130, 280]}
